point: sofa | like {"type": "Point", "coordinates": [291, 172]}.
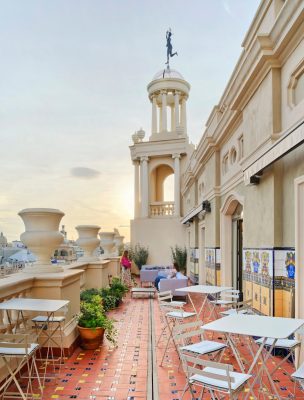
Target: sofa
{"type": "Point", "coordinates": [172, 284]}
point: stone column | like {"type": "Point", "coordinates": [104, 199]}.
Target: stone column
{"type": "Point", "coordinates": [136, 188]}
{"type": "Point", "coordinates": [164, 111]}
{"type": "Point", "coordinates": [176, 158]}
{"type": "Point", "coordinates": [160, 122]}
{"type": "Point", "coordinates": [144, 187]}
{"type": "Point", "coordinates": [42, 237]}
{"type": "Point", "coordinates": [184, 115]}
{"type": "Point", "coordinates": [172, 118]}
{"type": "Point", "coordinates": [154, 114]}
{"type": "Point", "coordinates": [176, 105]}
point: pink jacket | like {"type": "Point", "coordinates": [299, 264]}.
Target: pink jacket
{"type": "Point", "coordinates": [125, 262]}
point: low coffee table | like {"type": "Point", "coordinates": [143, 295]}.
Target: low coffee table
{"type": "Point", "coordinates": [141, 290]}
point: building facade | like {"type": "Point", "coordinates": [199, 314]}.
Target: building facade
{"type": "Point", "coordinates": [238, 202]}
{"type": "Point", "coordinates": [242, 190]}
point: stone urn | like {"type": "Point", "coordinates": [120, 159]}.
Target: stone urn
{"type": "Point", "coordinates": [118, 242]}
{"type": "Point", "coordinates": [42, 237]}
{"type": "Point", "coordinates": [107, 243]}
{"type": "Point", "coordinates": [88, 241]}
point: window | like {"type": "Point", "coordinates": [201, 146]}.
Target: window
{"type": "Point", "coordinates": [296, 85]}
{"type": "Point", "coordinates": [233, 155]}
{"type": "Point", "coordinates": [241, 146]}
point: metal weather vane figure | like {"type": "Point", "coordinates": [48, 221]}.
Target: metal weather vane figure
{"type": "Point", "coordinates": [169, 46]}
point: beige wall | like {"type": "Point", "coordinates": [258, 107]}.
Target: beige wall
{"type": "Point", "coordinates": [159, 234]}
{"type": "Point", "coordinates": [293, 167]}
{"type": "Point", "coordinates": [257, 117]}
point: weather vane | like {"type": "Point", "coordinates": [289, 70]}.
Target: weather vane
{"type": "Point", "coordinates": [169, 47]}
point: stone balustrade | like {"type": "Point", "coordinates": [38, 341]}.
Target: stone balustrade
{"type": "Point", "coordinates": [63, 285]}
{"type": "Point", "coordinates": [162, 209]}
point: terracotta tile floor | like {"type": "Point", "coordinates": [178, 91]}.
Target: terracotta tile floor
{"type": "Point", "coordinates": [121, 373]}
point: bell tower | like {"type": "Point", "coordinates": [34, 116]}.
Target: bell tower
{"type": "Point", "coordinates": [156, 222]}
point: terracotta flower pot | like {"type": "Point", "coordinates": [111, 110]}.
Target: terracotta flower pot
{"type": "Point", "coordinates": [91, 338]}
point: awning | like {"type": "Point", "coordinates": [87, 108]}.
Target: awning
{"type": "Point", "coordinates": [292, 139]}
{"type": "Point", "coordinates": [192, 214]}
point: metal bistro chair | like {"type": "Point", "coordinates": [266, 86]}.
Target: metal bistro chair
{"type": "Point", "coordinates": [18, 347]}
{"type": "Point", "coordinates": [240, 307]}
{"type": "Point", "coordinates": [46, 327]}
{"type": "Point", "coordinates": [166, 304]}
{"type": "Point", "coordinates": [288, 345]}
{"type": "Point", "coordinates": [298, 376]}
{"type": "Point", "coordinates": [228, 299]}
{"type": "Point", "coordinates": [217, 378]}
{"type": "Point", "coordinates": [190, 340]}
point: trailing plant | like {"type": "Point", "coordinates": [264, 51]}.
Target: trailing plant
{"type": "Point", "coordinates": [139, 254]}
{"type": "Point", "coordinates": [179, 257]}
{"type": "Point", "coordinates": [92, 315]}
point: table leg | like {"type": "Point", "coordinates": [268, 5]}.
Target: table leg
{"type": "Point", "coordinates": [263, 367]}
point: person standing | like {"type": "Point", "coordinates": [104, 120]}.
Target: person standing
{"type": "Point", "coordinates": [125, 263]}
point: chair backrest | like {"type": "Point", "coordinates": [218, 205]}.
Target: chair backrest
{"type": "Point", "coordinates": [165, 296]}
{"type": "Point", "coordinates": [243, 305]}
{"type": "Point", "coordinates": [231, 294]}
{"type": "Point", "coordinates": [15, 341]}
{"type": "Point", "coordinates": [185, 334]}
{"type": "Point", "coordinates": [196, 366]}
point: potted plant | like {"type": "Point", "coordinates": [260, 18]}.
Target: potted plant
{"type": "Point", "coordinates": [179, 258]}
{"type": "Point", "coordinates": [93, 324]}
{"type": "Point", "coordinates": [139, 254]}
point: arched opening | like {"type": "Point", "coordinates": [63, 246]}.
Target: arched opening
{"type": "Point", "coordinates": [162, 191]}
{"type": "Point", "coordinates": [232, 242]}
{"type": "Point", "coordinates": [169, 188]}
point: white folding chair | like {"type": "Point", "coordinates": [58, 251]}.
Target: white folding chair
{"type": "Point", "coordinates": [190, 340]}
{"type": "Point", "coordinates": [173, 318]}
{"type": "Point", "coordinates": [166, 299]}
{"type": "Point", "coordinates": [240, 307]}
{"type": "Point", "coordinates": [166, 304]}
{"type": "Point", "coordinates": [298, 376]}
{"type": "Point", "coordinates": [46, 328]}
{"type": "Point", "coordinates": [217, 378]}
{"type": "Point", "coordinates": [19, 348]}
{"type": "Point", "coordinates": [289, 345]}
{"type": "Point", "coordinates": [228, 299]}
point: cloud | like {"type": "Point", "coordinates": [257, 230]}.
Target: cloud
{"type": "Point", "coordinates": [227, 8]}
{"type": "Point", "coordinates": [84, 173]}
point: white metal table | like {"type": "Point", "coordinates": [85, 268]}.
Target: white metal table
{"type": "Point", "coordinates": [47, 306]}
{"type": "Point", "coordinates": [203, 290]}
{"type": "Point", "coordinates": [255, 325]}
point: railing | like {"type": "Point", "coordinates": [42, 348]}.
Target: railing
{"type": "Point", "coordinates": [162, 209]}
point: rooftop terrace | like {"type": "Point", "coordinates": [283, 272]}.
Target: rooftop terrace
{"type": "Point", "coordinates": [132, 370]}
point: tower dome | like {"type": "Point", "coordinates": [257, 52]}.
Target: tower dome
{"type": "Point", "coordinates": [168, 92]}
{"type": "Point", "coordinates": [168, 73]}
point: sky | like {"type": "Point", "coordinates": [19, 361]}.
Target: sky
{"type": "Point", "coordinates": [73, 78]}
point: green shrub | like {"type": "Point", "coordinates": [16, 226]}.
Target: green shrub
{"type": "Point", "coordinates": [179, 257]}
{"type": "Point", "coordinates": [139, 254]}
{"type": "Point", "coordinates": [87, 294]}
